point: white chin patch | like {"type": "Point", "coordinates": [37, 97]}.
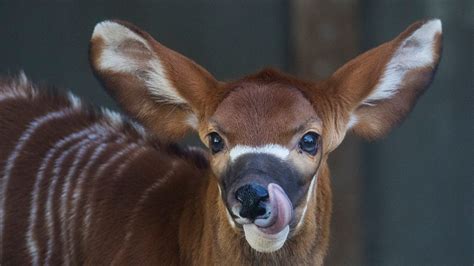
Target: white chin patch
{"type": "Point", "coordinates": [263, 242]}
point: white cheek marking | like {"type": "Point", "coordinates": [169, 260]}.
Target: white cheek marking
{"type": "Point", "coordinates": [308, 198]}
{"type": "Point", "coordinates": [273, 149]}
{"type": "Point", "coordinates": [415, 52]}
{"type": "Point", "coordinates": [229, 218]}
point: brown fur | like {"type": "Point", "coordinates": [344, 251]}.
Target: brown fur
{"type": "Point", "coordinates": [160, 204]}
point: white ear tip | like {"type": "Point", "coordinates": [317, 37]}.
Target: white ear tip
{"type": "Point", "coordinates": [106, 27]}
{"type": "Point", "coordinates": [101, 27]}
{"type": "Point", "coordinates": [113, 33]}
{"type": "Point", "coordinates": [433, 26]}
{"type": "Point", "coordinates": [437, 22]}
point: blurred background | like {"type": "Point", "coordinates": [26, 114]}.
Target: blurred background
{"type": "Point", "coordinates": [404, 200]}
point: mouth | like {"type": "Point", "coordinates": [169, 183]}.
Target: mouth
{"type": "Point", "coordinates": [268, 232]}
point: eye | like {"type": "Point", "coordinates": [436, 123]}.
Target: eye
{"type": "Point", "coordinates": [216, 143]}
{"type": "Point", "coordinates": [309, 143]}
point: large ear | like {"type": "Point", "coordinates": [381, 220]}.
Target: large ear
{"type": "Point", "coordinates": [380, 87]}
{"type": "Point", "coordinates": [164, 90]}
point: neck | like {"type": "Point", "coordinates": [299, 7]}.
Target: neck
{"type": "Point", "coordinates": [213, 238]}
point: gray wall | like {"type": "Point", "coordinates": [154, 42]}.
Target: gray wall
{"type": "Point", "coordinates": [49, 39]}
{"type": "Point", "coordinates": [418, 185]}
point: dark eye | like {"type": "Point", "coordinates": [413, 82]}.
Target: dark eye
{"type": "Point", "coordinates": [309, 143]}
{"type": "Point", "coordinates": [216, 143]}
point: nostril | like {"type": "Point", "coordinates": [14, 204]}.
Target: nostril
{"type": "Point", "coordinates": [252, 196]}
{"type": "Point", "coordinates": [251, 192]}
{"type": "Point", "coordinates": [261, 192]}
{"type": "Point", "coordinates": [243, 193]}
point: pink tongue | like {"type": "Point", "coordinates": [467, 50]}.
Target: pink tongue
{"type": "Point", "coordinates": [281, 210]}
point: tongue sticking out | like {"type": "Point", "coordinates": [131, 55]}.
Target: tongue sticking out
{"type": "Point", "coordinates": [268, 235]}
{"type": "Point", "coordinates": [281, 211]}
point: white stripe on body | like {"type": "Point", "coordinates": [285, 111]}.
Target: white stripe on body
{"type": "Point", "coordinates": [78, 190]}
{"type": "Point", "coordinates": [32, 243]}
{"type": "Point", "coordinates": [10, 163]}
{"type": "Point", "coordinates": [127, 162]}
{"type": "Point", "coordinates": [49, 203]}
{"type": "Point", "coordinates": [88, 208]}
{"type": "Point", "coordinates": [145, 195]}
{"type": "Point", "coordinates": [66, 244]}
{"type": "Point", "coordinates": [119, 172]}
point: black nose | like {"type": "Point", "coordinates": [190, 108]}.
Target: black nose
{"type": "Point", "coordinates": [251, 196]}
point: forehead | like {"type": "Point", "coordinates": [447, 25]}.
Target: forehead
{"type": "Point", "coordinates": [256, 114]}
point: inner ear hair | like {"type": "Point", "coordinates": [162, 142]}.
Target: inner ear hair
{"type": "Point", "coordinates": [129, 51]}
{"type": "Point", "coordinates": [381, 86]}
{"type": "Point", "coordinates": [414, 52]}
{"type": "Point", "coordinates": [159, 87]}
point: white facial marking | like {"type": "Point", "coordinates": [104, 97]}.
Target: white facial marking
{"type": "Point", "coordinates": [416, 51]}
{"type": "Point", "coordinates": [263, 242]}
{"type": "Point", "coordinates": [115, 58]}
{"type": "Point", "coordinates": [272, 149]}
{"type": "Point", "coordinates": [229, 218]}
{"type": "Point", "coordinates": [308, 198]}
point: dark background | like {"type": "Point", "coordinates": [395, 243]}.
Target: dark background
{"type": "Point", "coordinates": [404, 200]}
